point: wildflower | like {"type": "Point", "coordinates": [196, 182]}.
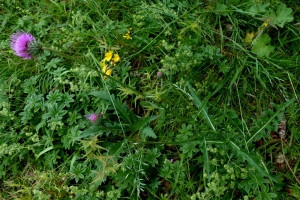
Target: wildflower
{"type": "Point", "coordinates": [249, 37]}
{"type": "Point", "coordinates": [127, 35]}
{"type": "Point", "coordinates": [159, 74]}
{"type": "Point", "coordinates": [106, 65]}
{"type": "Point", "coordinates": [106, 71]}
{"type": "Point", "coordinates": [108, 55]}
{"type": "Point", "coordinates": [102, 64]}
{"type": "Point", "coordinates": [20, 42]}
{"type": "Point", "coordinates": [116, 58]}
{"type": "Point", "coordinates": [92, 117]}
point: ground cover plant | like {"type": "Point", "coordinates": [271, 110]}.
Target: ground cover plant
{"type": "Point", "coordinates": [149, 99]}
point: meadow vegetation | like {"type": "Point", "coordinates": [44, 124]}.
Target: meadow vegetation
{"type": "Point", "coordinates": [130, 99]}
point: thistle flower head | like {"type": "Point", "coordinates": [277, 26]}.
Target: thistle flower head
{"type": "Point", "coordinates": [19, 42]}
{"type": "Point", "coordinates": [92, 117]}
{"type": "Point", "coordinates": [25, 45]}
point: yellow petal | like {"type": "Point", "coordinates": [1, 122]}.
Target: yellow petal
{"type": "Point", "coordinates": [102, 63]}
{"type": "Point", "coordinates": [108, 72]}
{"type": "Point", "coordinates": [104, 68]}
{"type": "Point", "coordinates": [249, 37]}
{"type": "Point", "coordinates": [108, 55]}
{"type": "Point", "coordinates": [127, 36]}
{"type": "Point", "coordinates": [116, 58]}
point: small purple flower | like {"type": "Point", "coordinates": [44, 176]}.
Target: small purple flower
{"type": "Point", "coordinates": [19, 42]}
{"type": "Point", "coordinates": [159, 74]}
{"type": "Point", "coordinates": [92, 117]}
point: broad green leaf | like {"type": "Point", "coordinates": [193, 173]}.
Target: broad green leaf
{"type": "Point", "coordinates": [282, 15]}
{"type": "Point", "coordinates": [261, 46]}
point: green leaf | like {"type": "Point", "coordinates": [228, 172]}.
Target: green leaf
{"type": "Point", "coordinates": [54, 96]}
{"type": "Point", "coordinates": [92, 131]}
{"type": "Point", "coordinates": [148, 131]}
{"type": "Point", "coordinates": [101, 94]}
{"type": "Point", "coordinates": [258, 8]}
{"type": "Point", "coordinates": [142, 122]}
{"type": "Point", "coordinates": [78, 171]}
{"type": "Point", "coordinates": [151, 156]}
{"type": "Point", "coordinates": [67, 99]}
{"type": "Point", "coordinates": [221, 9]}
{"type": "Point", "coordinates": [282, 15]}
{"type": "Point", "coordinates": [206, 160]}
{"type": "Point", "coordinates": [189, 148]}
{"type": "Point", "coordinates": [250, 160]}
{"type": "Point", "coordinates": [261, 45]}
{"type": "Point", "coordinates": [55, 111]}
{"type": "Point", "coordinates": [44, 151]}
{"type": "Point", "coordinates": [200, 105]}
{"type": "Point", "coordinates": [271, 119]}
{"type": "Point", "coordinates": [52, 63]}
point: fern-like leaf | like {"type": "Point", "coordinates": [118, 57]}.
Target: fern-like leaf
{"type": "Point", "coordinates": [269, 121]}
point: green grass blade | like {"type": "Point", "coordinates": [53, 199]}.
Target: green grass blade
{"type": "Point", "coordinates": [200, 105]}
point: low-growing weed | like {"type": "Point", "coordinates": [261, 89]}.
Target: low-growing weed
{"type": "Point", "coordinates": [149, 100]}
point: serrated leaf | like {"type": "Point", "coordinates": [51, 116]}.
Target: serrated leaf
{"type": "Point", "coordinates": [101, 94]}
{"type": "Point", "coordinates": [148, 131]}
{"type": "Point", "coordinates": [140, 123]}
{"type": "Point", "coordinates": [261, 45]}
{"type": "Point", "coordinates": [282, 15]}
{"type": "Point", "coordinates": [250, 160]}
{"type": "Point", "coordinates": [92, 131]}
{"type": "Point", "coordinates": [271, 119]}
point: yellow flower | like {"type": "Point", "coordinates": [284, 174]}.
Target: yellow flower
{"type": "Point", "coordinates": [106, 65]}
{"type": "Point", "coordinates": [127, 36]}
{"type": "Point", "coordinates": [102, 63]}
{"type": "Point", "coordinates": [108, 55]}
{"type": "Point", "coordinates": [106, 71]}
{"type": "Point", "coordinates": [249, 37]}
{"type": "Point", "coordinates": [116, 58]}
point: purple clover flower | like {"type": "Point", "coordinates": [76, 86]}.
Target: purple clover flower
{"type": "Point", "coordinates": [159, 74]}
{"type": "Point", "coordinates": [92, 117]}
{"type": "Point", "coordinates": [19, 42]}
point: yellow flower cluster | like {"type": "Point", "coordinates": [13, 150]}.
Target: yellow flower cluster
{"type": "Point", "coordinates": [127, 35]}
{"type": "Point", "coordinates": [110, 59]}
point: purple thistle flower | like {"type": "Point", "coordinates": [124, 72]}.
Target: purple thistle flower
{"type": "Point", "coordinates": [92, 117]}
{"type": "Point", "coordinates": [159, 74]}
{"type": "Point", "coordinates": [19, 42]}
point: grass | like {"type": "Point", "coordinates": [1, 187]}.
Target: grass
{"type": "Point", "coordinates": [221, 122]}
